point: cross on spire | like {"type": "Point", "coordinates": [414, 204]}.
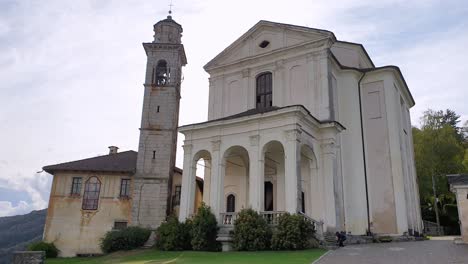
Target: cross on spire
{"type": "Point", "coordinates": [170, 7]}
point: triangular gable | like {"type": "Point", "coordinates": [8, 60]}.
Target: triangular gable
{"type": "Point", "coordinates": [278, 35]}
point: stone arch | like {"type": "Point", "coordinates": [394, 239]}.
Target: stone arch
{"type": "Point", "coordinates": [236, 176]}
{"type": "Point", "coordinates": [309, 181]}
{"type": "Point", "coordinates": [205, 165]}
{"type": "Point", "coordinates": [162, 73]}
{"type": "Point", "coordinates": [274, 172]}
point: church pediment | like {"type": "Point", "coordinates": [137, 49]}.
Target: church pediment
{"type": "Point", "coordinates": [267, 37]}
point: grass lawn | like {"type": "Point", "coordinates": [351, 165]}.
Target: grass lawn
{"type": "Point", "coordinates": [153, 256]}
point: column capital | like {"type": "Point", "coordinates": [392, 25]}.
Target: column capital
{"type": "Point", "coordinates": [293, 135]}
{"type": "Point", "coordinates": [328, 146]}
{"type": "Point", "coordinates": [310, 57]}
{"type": "Point", "coordinates": [216, 145]}
{"type": "Point", "coordinates": [279, 65]}
{"type": "Point", "coordinates": [245, 73]}
{"type": "Point", "coordinates": [187, 148]}
{"type": "Point", "coordinates": [254, 140]}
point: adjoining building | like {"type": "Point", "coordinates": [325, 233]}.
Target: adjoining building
{"type": "Point", "coordinates": [298, 122]}
{"type": "Point", "coordinates": [459, 186]}
{"type": "Point", "coordinates": [92, 196]}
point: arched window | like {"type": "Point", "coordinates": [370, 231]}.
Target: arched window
{"type": "Point", "coordinates": [231, 203]}
{"type": "Point", "coordinates": [264, 91]}
{"type": "Point", "coordinates": [91, 194]}
{"type": "Point", "coordinates": [162, 74]}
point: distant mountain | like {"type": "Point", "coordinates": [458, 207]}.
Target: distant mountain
{"type": "Point", "coordinates": [16, 232]}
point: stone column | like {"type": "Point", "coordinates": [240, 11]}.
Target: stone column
{"type": "Point", "coordinates": [217, 179]}
{"type": "Point", "coordinates": [256, 175]}
{"type": "Point", "coordinates": [329, 171]}
{"type": "Point", "coordinates": [188, 184]}
{"type": "Point", "coordinates": [293, 171]}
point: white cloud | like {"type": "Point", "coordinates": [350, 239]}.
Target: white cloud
{"type": "Point", "coordinates": [37, 188]}
{"type": "Point", "coordinates": [7, 209]}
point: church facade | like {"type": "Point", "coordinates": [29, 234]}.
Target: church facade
{"type": "Point", "coordinates": [298, 122]}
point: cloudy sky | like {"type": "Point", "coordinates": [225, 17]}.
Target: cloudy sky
{"type": "Point", "coordinates": [71, 71]}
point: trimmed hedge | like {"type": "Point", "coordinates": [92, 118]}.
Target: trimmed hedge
{"type": "Point", "coordinates": [205, 230]}
{"type": "Point", "coordinates": [125, 239]}
{"type": "Point", "coordinates": [251, 231]}
{"type": "Point", "coordinates": [293, 233]}
{"type": "Point", "coordinates": [50, 249]}
{"type": "Point", "coordinates": [174, 235]}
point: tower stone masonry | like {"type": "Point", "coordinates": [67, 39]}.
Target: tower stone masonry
{"type": "Point", "coordinates": [159, 121]}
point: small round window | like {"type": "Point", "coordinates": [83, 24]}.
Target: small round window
{"type": "Point", "coordinates": [264, 44]}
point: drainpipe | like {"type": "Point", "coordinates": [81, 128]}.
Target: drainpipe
{"type": "Point", "coordinates": [364, 153]}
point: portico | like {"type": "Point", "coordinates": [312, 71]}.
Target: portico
{"type": "Point", "coordinates": [275, 160]}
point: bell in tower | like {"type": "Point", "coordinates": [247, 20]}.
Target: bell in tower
{"type": "Point", "coordinates": [158, 131]}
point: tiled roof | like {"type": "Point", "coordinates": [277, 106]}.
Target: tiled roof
{"type": "Point", "coordinates": [123, 162]}
{"type": "Point", "coordinates": [457, 179]}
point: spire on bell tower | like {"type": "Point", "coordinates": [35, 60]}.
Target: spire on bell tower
{"type": "Point", "coordinates": [167, 30]}
{"type": "Point", "coordinates": [170, 10]}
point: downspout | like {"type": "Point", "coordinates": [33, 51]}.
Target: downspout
{"type": "Point", "coordinates": [364, 154]}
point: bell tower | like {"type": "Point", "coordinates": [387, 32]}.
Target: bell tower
{"type": "Point", "coordinates": [159, 121]}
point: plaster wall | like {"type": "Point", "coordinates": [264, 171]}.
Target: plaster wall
{"type": "Point", "coordinates": [352, 159]}
{"type": "Point", "coordinates": [89, 226]}
{"type": "Point", "coordinates": [379, 173]}
{"type": "Point", "coordinates": [236, 183]}
{"type": "Point", "coordinates": [462, 203]}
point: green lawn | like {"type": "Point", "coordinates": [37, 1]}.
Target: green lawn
{"type": "Point", "coordinates": [152, 256]}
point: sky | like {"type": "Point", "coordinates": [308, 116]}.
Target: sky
{"type": "Point", "coordinates": [71, 71]}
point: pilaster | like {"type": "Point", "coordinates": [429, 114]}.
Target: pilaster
{"type": "Point", "coordinates": [256, 175]}
{"type": "Point", "coordinates": [188, 184]}
{"type": "Point", "coordinates": [293, 171]}
{"type": "Point", "coordinates": [329, 171]}
{"type": "Point", "coordinates": [217, 178]}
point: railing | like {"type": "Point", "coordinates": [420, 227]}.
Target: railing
{"type": "Point", "coordinates": [318, 226]}
{"type": "Point", "coordinates": [228, 218]}
{"type": "Point", "coordinates": [432, 229]}
{"type": "Point", "coordinates": [272, 217]}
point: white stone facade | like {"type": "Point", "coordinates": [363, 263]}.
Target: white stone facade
{"type": "Point", "coordinates": [336, 142]}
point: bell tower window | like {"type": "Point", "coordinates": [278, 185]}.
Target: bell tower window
{"type": "Point", "coordinates": [264, 93]}
{"type": "Point", "coordinates": [163, 73]}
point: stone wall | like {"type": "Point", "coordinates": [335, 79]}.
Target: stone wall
{"type": "Point", "coordinates": [28, 257]}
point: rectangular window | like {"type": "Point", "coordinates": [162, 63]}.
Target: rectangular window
{"type": "Point", "coordinates": [119, 225]}
{"type": "Point", "coordinates": [125, 188]}
{"type": "Point", "coordinates": [176, 196]}
{"type": "Point", "coordinates": [76, 186]}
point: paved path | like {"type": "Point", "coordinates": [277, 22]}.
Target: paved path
{"type": "Point", "coordinates": [420, 252]}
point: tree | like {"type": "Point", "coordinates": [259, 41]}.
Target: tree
{"type": "Point", "coordinates": [439, 148]}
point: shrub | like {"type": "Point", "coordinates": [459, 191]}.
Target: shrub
{"type": "Point", "coordinates": [125, 239]}
{"type": "Point", "coordinates": [293, 233]}
{"type": "Point", "coordinates": [251, 231]}
{"type": "Point", "coordinates": [50, 250]}
{"type": "Point", "coordinates": [204, 230]}
{"type": "Point", "coordinates": [174, 235]}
